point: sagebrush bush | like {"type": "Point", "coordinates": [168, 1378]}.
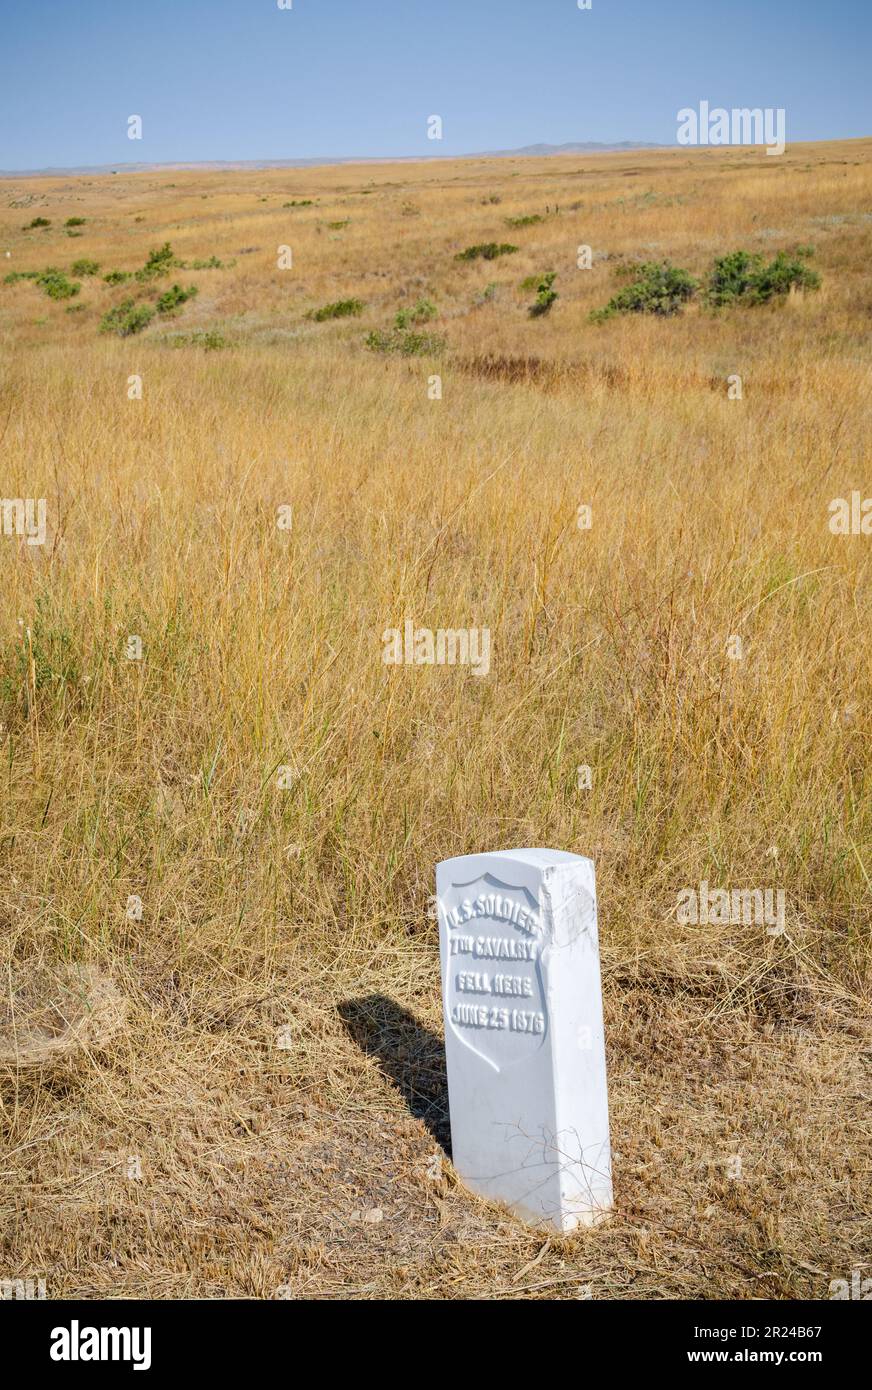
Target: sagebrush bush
{"type": "Point", "coordinates": [211, 341]}
{"type": "Point", "coordinates": [127, 318]}
{"type": "Point", "coordinates": [159, 263]}
{"type": "Point", "coordinates": [56, 284]}
{"type": "Point", "coordinates": [486, 250]}
{"type": "Point", "coordinates": [173, 298]}
{"type": "Point", "coordinates": [38, 222]}
{"type": "Point", "coordinates": [117, 277]}
{"type": "Point", "coordinates": [75, 222]}
{"type": "Point", "coordinates": [545, 295]}
{"type": "Point", "coordinates": [746, 278]}
{"type": "Point", "coordinates": [659, 288]}
{"type": "Point", "coordinates": [404, 342]}
{"type": "Point", "coordinates": [341, 309]}
{"type": "Point", "coordinates": [730, 277]}
{"type": "Point", "coordinates": [421, 312]}
{"type": "Point", "coordinates": [84, 268]}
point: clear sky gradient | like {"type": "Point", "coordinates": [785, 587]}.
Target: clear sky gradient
{"type": "Point", "coordinates": [241, 79]}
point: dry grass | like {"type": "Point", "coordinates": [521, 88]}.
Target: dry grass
{"type": "Point", "coordinates": [264, 1154]}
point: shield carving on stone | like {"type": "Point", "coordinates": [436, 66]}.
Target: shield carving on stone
{"type": "Point", "coordinates": [493, 991]}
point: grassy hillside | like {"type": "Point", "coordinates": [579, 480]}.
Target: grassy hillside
{"type": "Point", "coordinates": [260, 1049]}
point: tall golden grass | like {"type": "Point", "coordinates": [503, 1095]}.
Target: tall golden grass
{"type": "Point", "coordinates": [266, 908]}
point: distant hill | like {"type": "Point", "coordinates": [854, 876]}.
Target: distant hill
{"type": "Point", "coordinates": [525, 151]}
{"type": "Point", "coordinates": [571, 147]}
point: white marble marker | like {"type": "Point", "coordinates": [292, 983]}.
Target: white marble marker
{"type": "Point", "coordinates": [524, 1042]}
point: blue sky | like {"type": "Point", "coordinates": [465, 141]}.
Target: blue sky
{"type": "Point", "coordinates": [241, 79]}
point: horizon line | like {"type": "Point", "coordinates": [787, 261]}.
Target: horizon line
{"type": "Point", "coordinates": [536, 150]}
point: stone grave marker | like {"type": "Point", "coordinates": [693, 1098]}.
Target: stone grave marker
{"type": "Point", "coordinates": [524, 1042]}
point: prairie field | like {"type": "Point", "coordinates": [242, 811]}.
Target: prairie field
{"type": "Point", "coordinates": [221, 1067]}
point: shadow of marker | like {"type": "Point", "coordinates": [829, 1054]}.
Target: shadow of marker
{"type": "Point", "coordinates": [410, 1055]}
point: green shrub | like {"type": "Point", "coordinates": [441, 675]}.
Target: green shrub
{"type": "Point", "coordinates": [731, 276]}
{"type": "Point", "coordinates": [71, 233]}
{"type": "Point", "coordinates": [38, 222]}
{"type": "Point", "coordinates": [84, 268]}
{"type": "Point", "coordinates": [56, 284]}
{"type": "Point", "coordinates": [530, 282]}
{"type": "Point", "coordinates": [421, 312]}
{"type": "Point", "coordinates": [75, 222]}
{"type": "Point", "coordinates": [210, 340]}
{"type": "Point", "coordinates": [127, 318]}
{"type": "Point", "coordinates": [529, 220]}
{"type": "Point", "coordinates": [404, 342]}
{"type": "Point", "coordinates": [173, 298]}
{"type": "Point", "coordinates": [299, 203]}
{"type": "Point", "coordinates": [342, 309]}
{"type": "Point", "coordinates": [784, 273]}
{"type": "Point", "coordinates": [338, 226]}
{"type": "Point", "coordinates": [116, 277]}
{"type": "Point", "coordinates": [485, 250]}
{"type": "Point", "coordinates": [627, 270]}
{"type": "Point", "coordinates": [159, 263]}
{"type": "Point", "coordinates": [17, 275]}
{"type": "Point", "coordinates": [659, 288]}
{"type": "Point", "coordinates": [545, 295]}
{"type": "Point", "coordinates": [744, 278]}
{"type": "Point", "coordinates": [213, 263]}
{"type": "Point", "coordinates": [750, 280]}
